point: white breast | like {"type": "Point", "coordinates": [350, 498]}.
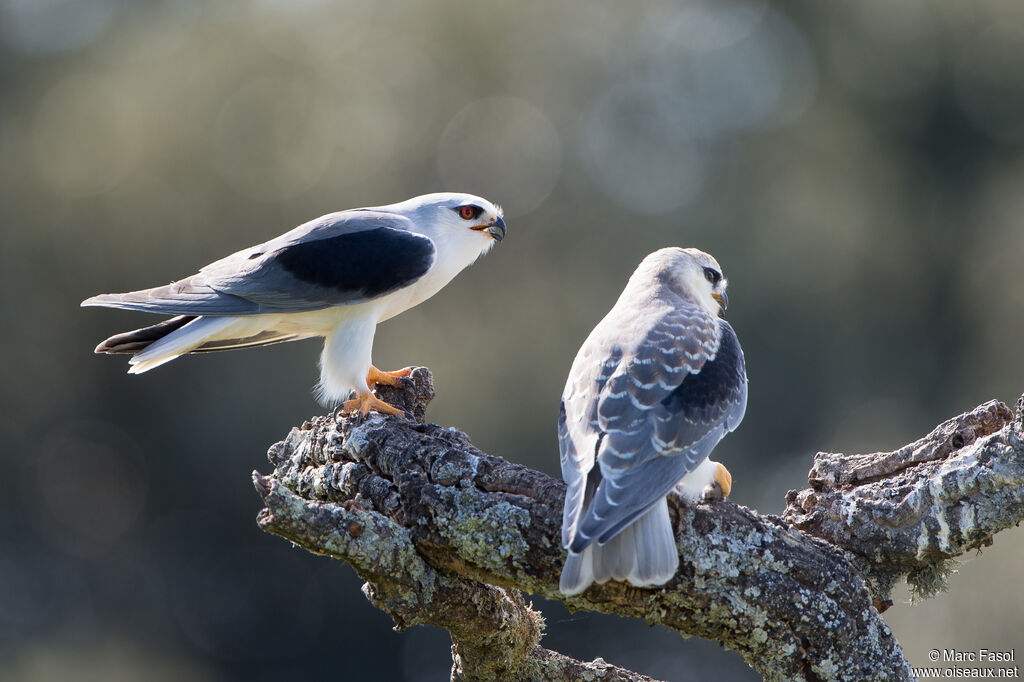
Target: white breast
{"type": "Point", "coordinates": [454, 254]}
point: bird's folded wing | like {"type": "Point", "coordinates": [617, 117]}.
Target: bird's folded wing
{"type": "Point", "coordinates": [577, 438]}
{"type": "Point", "coordinates": [621, 499]}
{"type": "Point", "coordinates": [645, 402]}
{"type": "Point", "coordinates": [341, 259]}
{"type": "Point", "coordinates": [662, 414]}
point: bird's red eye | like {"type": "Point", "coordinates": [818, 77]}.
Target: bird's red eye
{"type": "Point", "coordinates": [469, 212]}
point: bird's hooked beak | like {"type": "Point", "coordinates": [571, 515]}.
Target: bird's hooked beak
{"type": "Point", "coordinates": [723, 302]}
{"type": "Point", "coordinates": [495, 228]}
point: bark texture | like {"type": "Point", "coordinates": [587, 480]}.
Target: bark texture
{"type": "Point", "coordinates": [911, 512]}
{"type": "Point", "coordinates": [447, 535]}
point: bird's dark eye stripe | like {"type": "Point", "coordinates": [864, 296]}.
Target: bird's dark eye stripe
{"type": "Point", "coordinates": [712, 275]}
{"type": "Point", "coordinates": [468, 212]}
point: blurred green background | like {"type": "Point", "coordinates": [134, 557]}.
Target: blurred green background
{"type": "Point", "coordinates": [855, 166]}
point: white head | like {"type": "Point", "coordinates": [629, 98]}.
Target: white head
{"type": "Point", "coordinates": [691, 273]}
{"type": "Point", "coordinates": [453, 216]}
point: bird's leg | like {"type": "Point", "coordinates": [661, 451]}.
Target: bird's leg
{"type": "Point", "coordinates": [365, 401]}
{"type": "Point", "coordinates": [720, 486]}
{"type": "Point", "coordinates": [397, 378]}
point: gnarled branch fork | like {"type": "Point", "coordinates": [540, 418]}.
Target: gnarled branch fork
{"type": "Point", "coordinates": [445, 534]}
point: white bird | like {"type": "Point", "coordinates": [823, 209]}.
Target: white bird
{"type": "Point", "coordinates": [659, 381]}
{"type": "Point", "coordinates": [337, 276]}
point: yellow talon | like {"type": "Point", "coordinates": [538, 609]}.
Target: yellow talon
{"type": "Point", "coordinates": [719, 487]}
{"type": "Point", "coordinates": [724, 479]}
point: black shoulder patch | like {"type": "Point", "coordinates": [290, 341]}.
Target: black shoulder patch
{"type": "Point", "coordinates": [371, 262]}
{"type": "Point", "coordinates": [704, 396]}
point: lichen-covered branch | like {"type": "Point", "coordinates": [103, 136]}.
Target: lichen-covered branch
{"type": "Point", "coordinates": [495, 634]}
{"type": "Point", "coordinates": [447, 535]}
{"type": "Point", "coordinates": [907, 513]}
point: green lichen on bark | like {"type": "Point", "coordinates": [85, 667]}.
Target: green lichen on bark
{"type": "Point", "coordinates": [927, 581]}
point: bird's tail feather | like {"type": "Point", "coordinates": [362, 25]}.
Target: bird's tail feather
{"type": "Point", "coordinates": [657, 558]}
{"type": "Point", "coordinates": [180, 341]}
{"type": "Point", "coordinates": [643, 554]}
{"type": "Point", "coordinates": [578, 572]}
{"type": "Point", "coordinates": [138, 339]}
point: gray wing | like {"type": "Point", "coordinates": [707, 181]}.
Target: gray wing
{"type": "Point", "coordinates": [643, 345]}
{"type": "Point", "coordinates": [659, 416]}
{"type": "Point", "coordinates": [340, 259]}
{"type": "Point", "coordinates": [577, 440]}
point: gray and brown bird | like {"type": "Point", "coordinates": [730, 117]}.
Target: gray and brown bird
{"type": "Point", "coordinates": [654, 388]}
{"type": "Point", "coordinates": [337, 276]}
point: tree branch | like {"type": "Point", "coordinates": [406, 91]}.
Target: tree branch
{"type": "Point", "coordinates": [447, 535]}
{"type": "Point", "coordinates": [909, 512]}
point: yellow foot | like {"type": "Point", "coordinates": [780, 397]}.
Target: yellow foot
{"type": "Point", "coordinates": [364, 402]}
{"type": "Point", "coordinates": [721, 486]}
{"type": "Point", "coordinates": [396, 378]}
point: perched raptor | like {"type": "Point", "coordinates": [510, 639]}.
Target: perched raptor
{"type": "Point", "coordinates": [659, 381]}
{"type": "Point", "coordinates": [337, 276]}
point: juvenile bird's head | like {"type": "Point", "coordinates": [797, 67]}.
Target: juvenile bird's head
{"type": "Point", "coordinates": [691, 273]}
{"type": "Point", "coordinates": [451, 216]}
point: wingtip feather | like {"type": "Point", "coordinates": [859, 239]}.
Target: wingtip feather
{"type": "Point", "coordinates": [103, 301]}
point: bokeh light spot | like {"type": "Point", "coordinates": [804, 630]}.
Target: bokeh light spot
{"type": "Point", "coordinates": [884, 49]}
{"type": "Point", "coordinates": [702, 25]}
{"type": "Point", "coordinates": [994, 103]}
{"type": "Point", "coordinates": [86, 137]}
{"type": "Point", "coordinates": [503, 148]}
{"type": "Point", "coordinates": [764, 79]}
{"type": "Point", "coordinates": [48, 26]}
{"type": "Point", "coordinates": [271, 138]}
{"type": "Point", "coordinates": [638, 155]}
